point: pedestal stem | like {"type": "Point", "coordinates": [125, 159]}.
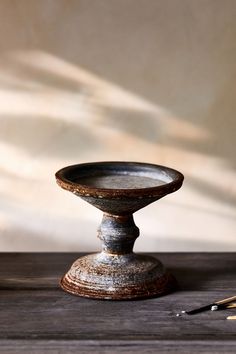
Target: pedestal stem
{"type": "Point", "coordinates": [118, 234]}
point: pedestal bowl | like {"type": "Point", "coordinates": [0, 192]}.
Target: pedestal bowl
{"type": "Point", "coordinates": [118, 189]}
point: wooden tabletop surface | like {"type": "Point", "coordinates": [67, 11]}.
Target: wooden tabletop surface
{"type": "Point", "coordinates": [36, 316]}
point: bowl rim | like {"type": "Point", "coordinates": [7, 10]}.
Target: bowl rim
{"type": "Point", "coordinates": [97, 192]}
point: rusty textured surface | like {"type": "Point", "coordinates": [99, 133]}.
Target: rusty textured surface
{"type": "Point", "coordinates": [117, 273]}
{"type": "Point", "coordinates": [162, 284]}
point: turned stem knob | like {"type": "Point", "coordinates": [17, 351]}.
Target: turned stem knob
{"type": "Point", "coordinates": [118, 233]}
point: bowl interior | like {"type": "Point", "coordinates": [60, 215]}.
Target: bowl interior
{"type": "Point", "coordinates": [123, 178]}
{"type": "Point", "coordinates": [120, 177]}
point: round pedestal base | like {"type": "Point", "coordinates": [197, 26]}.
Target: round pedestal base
{"type": "Point", "coordinates": [117, 277]}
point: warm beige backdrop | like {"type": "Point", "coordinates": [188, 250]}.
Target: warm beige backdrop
{"type": "Point", "coordinates": [141, 80]}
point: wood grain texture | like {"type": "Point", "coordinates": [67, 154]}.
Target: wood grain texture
{"type": "Point", "coordinates": [36, 316]}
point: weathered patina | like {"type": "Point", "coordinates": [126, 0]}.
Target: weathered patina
{"type": "Point", "coordinates": [118, 189]}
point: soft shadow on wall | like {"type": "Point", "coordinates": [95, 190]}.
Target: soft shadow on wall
{"type": "Point", "coordinates": [54, 113]}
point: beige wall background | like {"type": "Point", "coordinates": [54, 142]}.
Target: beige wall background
{"type": "Point", "coordinates": [139, 80]}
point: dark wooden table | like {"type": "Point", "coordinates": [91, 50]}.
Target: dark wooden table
{"type": "Point", "coordinates": [36, 316]}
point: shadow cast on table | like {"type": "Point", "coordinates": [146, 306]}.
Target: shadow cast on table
{"type": "Point", "coordinates": [199, 276]}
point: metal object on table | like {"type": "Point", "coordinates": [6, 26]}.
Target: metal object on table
{"type": "Point", "coordinates": [118, 189]}
{"type": "Point", "coordinates": [217, 305]}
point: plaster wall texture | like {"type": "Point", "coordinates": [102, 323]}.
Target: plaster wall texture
{"type": "Point", "coordinates": [131, 80]}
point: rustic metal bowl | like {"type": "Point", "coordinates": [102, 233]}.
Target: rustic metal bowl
{"type": "Point", "coordinates": [118, 189]}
